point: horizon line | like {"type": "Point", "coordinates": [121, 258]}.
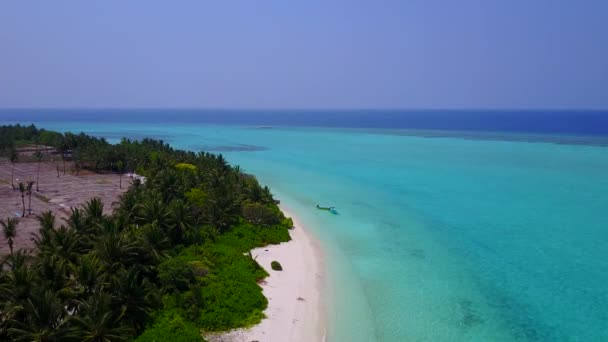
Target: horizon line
{"type": "Point", "coordinates": [529, 109]}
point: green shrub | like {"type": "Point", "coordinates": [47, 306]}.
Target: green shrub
{"type": "Point", "coordinates": [199, 268]}
{"type": "Point", "coordinates": [186, 166]}
{"type": "Point", "coordinates": [276, 266]}
{"type": "Point", "coordinates": [175, 274]}
{"type": "Point", "coordinates": [231, 295]}
{"type": "Point", "coordinates": [171, 326]}
{"type": "Point", "coordinates": [230, 303]}
{"type": "Point", "coordinates": [140, 170]}
{"type": "Point", "coordinates": [196, 197]}
{"type": "Point", "coordinates": [260, 214]}
{"type": "Point", "coordinates": [245, 236]}
{"type": "Point", "coordinates": [288, 222]}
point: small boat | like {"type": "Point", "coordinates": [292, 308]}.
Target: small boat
{"type": "Point", "coordinates": [330, 209]}
{"type": "Point", "coordinates": [324, 208]}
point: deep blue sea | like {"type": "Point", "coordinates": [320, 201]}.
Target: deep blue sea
{"type": "Point", "coordinates": [451, 225]}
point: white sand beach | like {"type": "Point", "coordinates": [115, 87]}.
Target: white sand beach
{"type": "Point", "coordinates": [295, 312]}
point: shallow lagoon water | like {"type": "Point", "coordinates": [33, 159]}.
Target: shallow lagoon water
{"type": "Point", "coordinates": [436, 238]}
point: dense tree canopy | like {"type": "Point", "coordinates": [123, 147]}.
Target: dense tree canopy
{"type": "Point", "coordinates": [168, 263]}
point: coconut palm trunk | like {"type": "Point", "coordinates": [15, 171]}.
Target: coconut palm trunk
{"type": "Point", "coordinates": [120, 165]}
{"type": "Point", "coordinates": [22, 190]}
{"type": "Point", "coordinates": [13, 175]}
{"type": "Point", "coordinates": [38, 177]}
{"type": "Point", "coordinates": [39, 157]}
{"type": "Point", "coordinates": [13, 158]}
{"type": "Point", "coordinates": [28, 188]}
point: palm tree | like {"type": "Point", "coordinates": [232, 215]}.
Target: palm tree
{"type": "Point", "coordinates": [179, 221]}
{"type": "Point", "coordinates": [5, 296]}
{"type": "Point", "coordinates": [70, 144]}
{"type": "Point", "coordinates": [95, 321]}
{"type": "Point", "coordinates": [47, 220]}
{"type": "Point", "coordinates": [120, 165]}
{"type": "Point", "coordinates": [93, 209]}
{"type": "Point", "coordinates": [154, 241]}
{"type": "Point", "coordinates": [19, 280]}
{"type": "Point", "coordinates": [116, 252]}
{"type": "Point", "coordinates": [38, 156]}
{"type": "Point", "coordinates": [152, 209]}
{"type": "Point", "coordinates": [63, 243]}
{"type": "Point", "coordinates": [87, 276]}
{"type": "Point", "coordinates": [168, 183]}
{"type": "Point", "coordinates": [126, 205]}
{"type": "Point", "coordinates": [45, 318]}
{"type": "Point", "coordinates": [136, 297]}
{"type": "Point", "coordinates": [63, 148]}
{"type": "Point", "coordinates": [13, 156]}
{"type": "Point", "coordinates": [77, 221]}
{"type": "Point", "coordinates": [9, 227]}
{"type": "Point", "coordinates": [22, 190]}
{"type": "Point", "coordinates": [79, 160]}
{"type": "Point", "coordinates": [28, 191]}
{"type": "Point", "coordinates": [52, 272]}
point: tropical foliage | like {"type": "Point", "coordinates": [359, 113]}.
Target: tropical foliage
{"type": "Point", "coordinates": [275, 265]}
{"type": "Point", "coordinates": [170, 262]}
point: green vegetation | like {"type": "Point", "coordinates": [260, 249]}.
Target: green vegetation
{"type": "Point", "coordinates": [260, 214]}
{"type": "Point", "coordinates": [276, 266]}
{"type": "Point", "coordinates": [185, 166]}
{"type": "Point", "coordinates": [169, 262]}
{"type": "Point", "coordinates": [9, 229]}
{"type": "Point", "coordinates": [171, 326]}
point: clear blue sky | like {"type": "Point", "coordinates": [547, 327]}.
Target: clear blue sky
{"type": "Point", "coordinates": [304, 54]}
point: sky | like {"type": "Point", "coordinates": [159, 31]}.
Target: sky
{"type": "Point", "coordinates": [418, 54]}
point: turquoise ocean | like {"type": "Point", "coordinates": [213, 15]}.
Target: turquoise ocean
{"type": "Point", "coordinates": [439, 235]}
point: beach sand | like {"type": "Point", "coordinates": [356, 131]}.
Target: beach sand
{"type": "Point", "coordinates": [295, 312]}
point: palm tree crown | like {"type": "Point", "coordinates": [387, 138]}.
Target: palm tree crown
{"type": "Point", "coordinates": [9, 228]}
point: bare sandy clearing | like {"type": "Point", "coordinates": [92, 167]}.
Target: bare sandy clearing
{"type": "Point", "coordinates": [57, 194]}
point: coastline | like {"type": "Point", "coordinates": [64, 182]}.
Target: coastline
{"type": "Point", "coordinates": [295, 312]}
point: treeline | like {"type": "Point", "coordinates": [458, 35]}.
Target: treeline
{"type": "Point", "coordinates": [169, 263]}
{"type": "Point", "coordinates": [18, 135]}
{"type": "Point", "coordinates": [90, 152]}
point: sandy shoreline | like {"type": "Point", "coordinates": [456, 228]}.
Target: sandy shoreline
{"type": "Point", "coordinates": [295, 312]}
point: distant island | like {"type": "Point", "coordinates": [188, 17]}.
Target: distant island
{"type": "Point", "coordinates": [161, 254]}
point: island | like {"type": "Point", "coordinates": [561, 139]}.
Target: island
{"type": "Point", "coordinates": [138, 241]}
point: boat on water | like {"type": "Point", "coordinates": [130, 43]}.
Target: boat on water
{"type": "Point", "coordinates": [330, 209]}
{"type": "Point", "coordinates": [324, 208]}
